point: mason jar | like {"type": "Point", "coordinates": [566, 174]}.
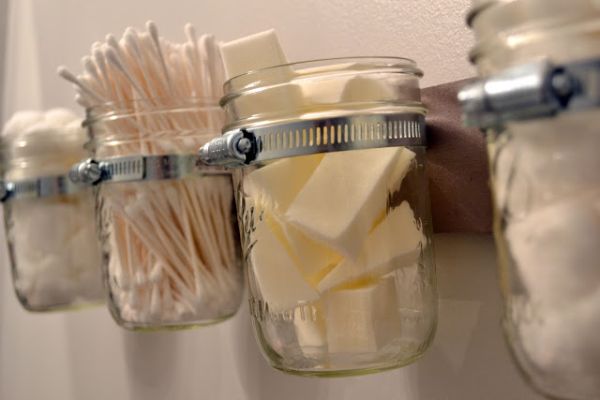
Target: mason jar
{"type": "Point", "coordinates": [49, 221]}
{"type": "Point", "coordinates": [334, 212]}
{"type": "Point", "coordinates": [537, 100]}
{"type": "Point", "coordinates": [168, 227]}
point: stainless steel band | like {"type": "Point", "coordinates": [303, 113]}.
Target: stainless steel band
{"type": "Point", "coordinates": [235, 148]}
{"type": "Point", "coordinates": [252, 145]}
{"type": "Point", "coordinates": [140, 168]}
{"type": "Point", "coordinates": [38, 187]}
{"type": "Point", "coordinates": [530, 91]}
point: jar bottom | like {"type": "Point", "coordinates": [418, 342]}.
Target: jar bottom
{"type": "Point", "coordinates": [297, 358]}
{"type": "Point", "coordinates": [60, 306]}
{"type": "Point", "coordinates": [325, 371]}
{"type": "Point", "coordinates": [175, 326]}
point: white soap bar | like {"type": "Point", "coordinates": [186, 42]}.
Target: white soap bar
{"type": "Point", "coordinates": [394, 243]}
{"type": "Point", "coordinates": [309, 323]}
{"type": "Point", "coordinates": [252, 52]}
{"type": "Point", "coordinates": [362, 88]}
{"type": "Point", "coordinates": [362, 320]}
{"type": "Point", "coordinates": [403, 165]}
{"type": "Point", "coordinates": [278, 183]}
{"type": "Point", "coordinates": [343, 198]}
{"type": "Point", "coordinates": [314, 259]}
{"type": "Point", "coordinates": [277, 276]}
{"type": "Point", "coordinates": [280, 94]}
{"type": "Point", "coordinates": [324, 84]}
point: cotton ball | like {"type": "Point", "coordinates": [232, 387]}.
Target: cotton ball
{"type": "Point", "coordinates": [59, 117]}
{"type": "Point", "coordinates": [20, 121]}
{"type": "Point", "coordinates": [41, 130]}
{"type": "Point", "coordinates": [556, 250]}
{"type": "Point", "coordinates": [45, 285]}
{"type": "Point", "coordinates": [565, 343]}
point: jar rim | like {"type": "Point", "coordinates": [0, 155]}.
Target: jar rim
{"type": "Point", "coordinates": [308, 68]}
{"type": "Point", "coordinates": [119, 109]}
{"type": "Point", "coordinates": [409, 65]}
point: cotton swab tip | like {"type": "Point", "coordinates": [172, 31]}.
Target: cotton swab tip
{"type": "Point", "coordinates": [63, 72]}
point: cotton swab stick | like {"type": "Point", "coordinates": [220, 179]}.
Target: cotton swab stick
{"type": "Point", "coordinates": [151, 27]}
{"type": "Point", "coordinates": [65, 74]}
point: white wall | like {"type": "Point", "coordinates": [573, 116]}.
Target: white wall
{"type": "Point", "coordinates": [84, 355]}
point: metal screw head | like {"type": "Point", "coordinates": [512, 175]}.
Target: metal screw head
{"type": "Point", "coordinates": [563, 85]}
{"type": "Point", "coordinates": [92, 171]}
{"type": "Point", "coordinates": [244, 145]}
{"type": "Point", "coordinates": [88, 172]}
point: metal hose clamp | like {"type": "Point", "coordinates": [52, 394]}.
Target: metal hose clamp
{"type": "Point", "coordinates": [252, 145]}
{"type": "Point", "coordinates": [140, 168]}
{"type": "Point", "coordinates": [46, 186]}
{"type": "Point", "coordinates": [531, 91]}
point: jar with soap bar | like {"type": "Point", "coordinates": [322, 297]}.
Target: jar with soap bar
{"type": "Point", "coordinates": [537, 100]}
{"type": "Point", "coordinates": [167, 222]}
{"type": "Point", "coordinates": [49, 221]}
{"type": "Point", "coordinates": [334, 212]}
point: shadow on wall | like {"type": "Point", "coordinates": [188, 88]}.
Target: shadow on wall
{"type": "Point", "coordinates": [468, 360]}
{"type": "Point", "coordinates": [261, 382]}
{"type": "Point", "coordinates": [151, 361]}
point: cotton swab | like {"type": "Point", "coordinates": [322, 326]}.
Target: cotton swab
{"type": "Point", "coordinates": [151, 27]}
{"type": "Point", "coordinates": [65, 74]}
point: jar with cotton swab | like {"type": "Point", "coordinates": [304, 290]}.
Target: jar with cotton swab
{"type": "Point", "coordinates": [49, 221]}
{"type": "Point", "coordinates": [168, 225]}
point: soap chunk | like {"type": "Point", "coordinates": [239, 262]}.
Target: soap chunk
{"type": "Point", "coordinates": [403, 165]}
{"type": "Point", "coordinates": [279, 94]}
{"type": "Point", "coordinates": [309, 323]}
{"type": "Point", "coordinates": [277, 276]}
{"type": "Point", "coordinates": [343, 197]}
{"type": "Point", "coordinates": [314, 259]}
{"type": "Point", "coordinates": [252, 52]}
{"type": "Point", "coordinates": [363, 319]}
{"type": "Point", "coordinates": [394, 243]}
{"type": "Point", "coordinates": [361, 88]}
{"type": "Point", "coordinates": [279, 182]}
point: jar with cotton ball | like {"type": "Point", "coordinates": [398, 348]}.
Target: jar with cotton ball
{"type": "Point", "coordinates": [537, 100]}
{"type": "Point", "coordinates": [167, 223]}
{"type": "Point", "coordinates": [50, 227]}
{"type": "Point", "coordinates": [333, 207]}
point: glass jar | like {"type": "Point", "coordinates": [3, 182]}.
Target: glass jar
{"type": "Point", "coordinates": [49, 222]}
{"type": "Point", "coordinates": [168, 226]}
{"type": "Point", "coordinates": [335, 214]}
{"type": "Point", "coordinates": [536, 59]}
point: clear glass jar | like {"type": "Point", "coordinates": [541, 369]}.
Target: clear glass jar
{"type": "Point", "coordinates": [52, 242]}
{"type": "Point", "coordinates": [170, 247]}
{"type": "Point", "coordinates": [546, 186]}
{"type": "Point", "coordinates": [338, 243]}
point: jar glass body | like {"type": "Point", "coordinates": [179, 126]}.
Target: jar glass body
{"type": "Point", "coordinates": [52, 242]}
{"type": "Point", "coordinates": [171, 254]}
{"type": "Point", "coordinates": [546, 186]}
{"type": "Point", "coordinates": [338, 244]}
